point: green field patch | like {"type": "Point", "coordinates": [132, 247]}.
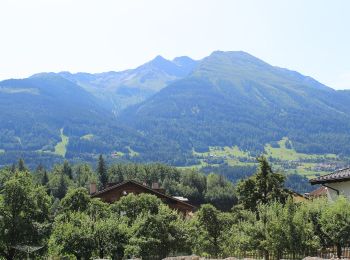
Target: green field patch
{"type": "Point", "coordinates": [2, 151]}
{"type": "Point", "coordinates": [289, 154]}
{"type": "Point", "coordinates": [132, 153]}
{"type": "Point", "coordinates": [233, 162]}
{"type": "Point", "coordinates": [61, 147]}
{"type": "Point", "coordinates": [284, 156]}
{"type": "Point", "coordinates": [217, 151]}
{"type": "Point", "coordinates": [87, 137]}
{"type": "Point", "coordinates": [233, 156]}
{"type": "Point", "coordinates": [117, 154]}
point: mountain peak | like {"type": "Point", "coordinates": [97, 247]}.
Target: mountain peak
{"type": "Point", "coordinates": [238, 57]}
{"type": "Point", "coordinates": [182, 59]}
{"type": "Point", "coordinates": [158, 60]}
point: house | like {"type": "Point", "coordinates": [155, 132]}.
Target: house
{"type": "Point", "coordinates": [113, 192]}
{"type": "Point", "coordinates": [336, 183]}
{"type": "Point", "coordinates": [296, 197]}
{"type": "Point", "coordinates": [320, 192]}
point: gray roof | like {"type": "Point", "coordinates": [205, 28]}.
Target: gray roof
{"type": "Point", "coordinates": [337, 176]}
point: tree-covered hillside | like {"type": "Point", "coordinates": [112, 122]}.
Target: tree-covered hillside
{"type": "Point", "coordinates": [45, 114]}
{"type": "Point", "coordinates": [228, 100]}
{"type": "Point", "coordinates": [233, 98]}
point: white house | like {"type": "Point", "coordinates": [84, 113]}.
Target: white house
{"type": "Point", "coordinates": [336, 183]}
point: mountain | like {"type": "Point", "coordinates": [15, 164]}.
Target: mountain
{"type": "Point", "coordinates": [45, 110]}
{"type": "Point", "coordinates": [233, 98]}
{"type": "Point", "coordinates": [116, 90]}
{"type": "Point", "coordinates": [175, 112]}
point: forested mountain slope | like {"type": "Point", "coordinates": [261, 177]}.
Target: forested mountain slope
{"type": "Point", "coordinates": [36, 112]}
{"type": "Point", "coordinates": [233, 98]}
{"type": "Point", "coordinates": [172, 112]}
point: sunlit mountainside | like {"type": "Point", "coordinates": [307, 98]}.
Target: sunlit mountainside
{"type": "Point", "coordinates": [222, 110]}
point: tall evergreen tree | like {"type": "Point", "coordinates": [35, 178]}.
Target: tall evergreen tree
{"type": "Point", "coordinates": [13, 168]}
{"type": "Point", "coordinates": [67, 170]}
{"type": "Point", "coordinates": [263, 187]}
{"type": "Point", "coordinates": [62, 187]}
{"type": "Point", "coordinates": [102, 171]}
{"type": "Point", "coordinates": [21, 165]}
{"type": "Point", "coordinates": [40, 168]}
{"type": "Point", "coordinates": [45, 178]}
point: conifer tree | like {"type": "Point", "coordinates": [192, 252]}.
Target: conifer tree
{"type": "Point", "coordinates": [13, 168]}
{"type": "Point", "coordinates": [67, 169]}
{"type": "Point", "coordinates": [21, 165]}
{"type": "Point", "coordinates": [263, 187]}
{"type": "Point", "coordinates": [62, 188]}
{"type": "Point", "coordinates": [40, 168]}
{"type": "Point", "coordinates": [102, 171]}
{"type": "Point", "coordinates": [45, 178]}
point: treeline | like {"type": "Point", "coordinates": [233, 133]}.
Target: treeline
{"type": "Point", "coordinates": [293, 181]}
{"type": "Point", "coordinates": [263, 218]}
{"type": "Point", "coordinates": [199, 188]}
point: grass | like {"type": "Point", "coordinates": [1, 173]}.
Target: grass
{"type": "Point", "coordinates": [2, 151]}
{"type": "Point", "coordinates": [132, 153]}
{"type": "Point", "coordinates": [217, 151]}
{"type": "Point", "coordinates": [118, 154]}
{"type": "Point", "coordinates": [301, 163]}
{"type": "Point", "coordinates": [231, 155]}
{"type": "Point", "coordinates": [87, 137]}
{"type": "Point", "coordinates": [289, 154]}
{"type": "Point", "coordinates": [61, 147]}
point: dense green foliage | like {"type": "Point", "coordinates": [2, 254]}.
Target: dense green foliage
{"type": "Point", "coordinates": [79, 227]}
{"type": "Point", "coordinates": [24, 214]}
{"type": "Point", "coordinates": [293, 181]}
{"type": "Point", "coordinates": [102, 171]}
{"type": "Point", "coordinates": [263, 187]}
{"type": "Point", "coordinates": [192, 184]}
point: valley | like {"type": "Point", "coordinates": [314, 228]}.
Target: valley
{"type": "Point", "coordinates": [214, 114]}
{"type": "Point", "coordinates": [283, 157]}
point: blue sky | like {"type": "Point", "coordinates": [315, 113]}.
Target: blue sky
{"type": "Point", "coordinates": [310, 36]}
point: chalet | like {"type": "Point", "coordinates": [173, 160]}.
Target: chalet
{"type": "Point", "coordinates": [113, 192]}
{"type": "Point", "coordinates": [320, 192]}
{"type": "Point", "coordinates": [335, 184]}
{"type": "Point", "coordinates": [296, 197]}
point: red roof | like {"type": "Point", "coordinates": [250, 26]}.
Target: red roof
{"type": "Point", "coordinates": [320, 192]}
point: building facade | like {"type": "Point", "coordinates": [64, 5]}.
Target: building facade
{"type": "Point", "coordinates": [114, 192]}
{"type": "Point", "coordinates": [335, 184]}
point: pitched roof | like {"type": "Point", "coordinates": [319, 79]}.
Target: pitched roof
{"type": "Point", "coordinates": [319, 192]}
{"type": "Point", "coordinates": [337, 176]}
{"type": "Point", "coordinates": [143, 186]}
{"type": "Point", "coordinates": [295, 194]}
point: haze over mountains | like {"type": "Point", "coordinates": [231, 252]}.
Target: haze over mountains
{"type": "Point", "coordinates": [165, 110]}
{"type": "Point", "coordinates": [120, 89]}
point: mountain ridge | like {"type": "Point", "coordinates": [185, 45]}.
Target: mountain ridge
{"type": "Point", "coordinates": [247, 86]}
{"type": "Point", "coordinates": [165, 110]}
